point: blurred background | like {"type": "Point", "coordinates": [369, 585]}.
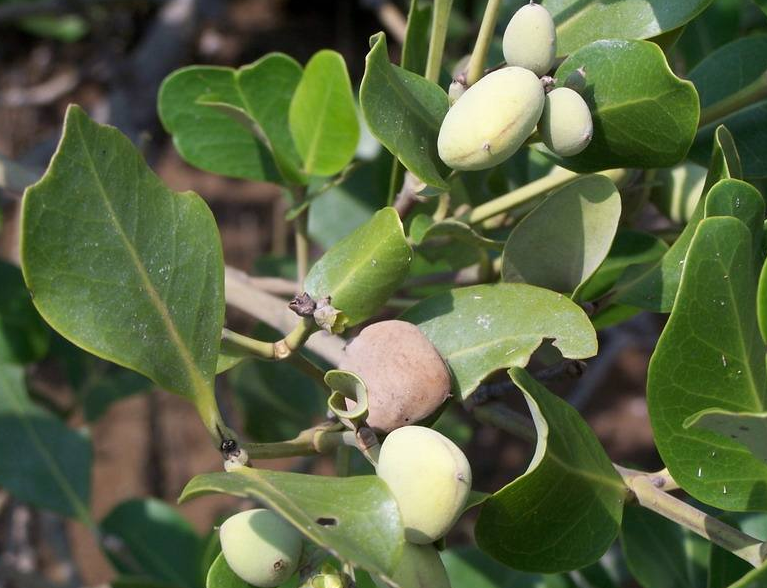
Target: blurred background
{"type": "Point", "coordinates": [110, 56]}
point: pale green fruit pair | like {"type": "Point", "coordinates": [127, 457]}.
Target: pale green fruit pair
{"type": "Point", "coordinates": [260, 547]}
{"type": "Point", "coordinates": [429, 477]}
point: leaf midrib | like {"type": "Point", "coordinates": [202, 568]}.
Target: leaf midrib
{"type": "Point", "coordinates": [198, 381]}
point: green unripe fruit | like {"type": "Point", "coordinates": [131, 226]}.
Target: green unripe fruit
{"type": "Point", "coordinates": [429, 477]}
{"type": "Point", "coordinates": [405, 376]}
{"type": "Point", "coordinates": [566, 126]}
{"type": "Point", "coordinates": [530, 40]}
{"type": "Point", "coordinates": [260, 547]}
{"type": "Point", "coordinates": [419, 567]}
{"type": "Point", "coordinates": [492, 119]}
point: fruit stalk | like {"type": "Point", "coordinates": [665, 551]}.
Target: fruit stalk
{"type": "Point", "coordinates": [482, 46]}
{"type": "Point", "coordinates": [440, 16]}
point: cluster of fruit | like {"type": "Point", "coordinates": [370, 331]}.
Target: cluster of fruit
{"type": "Point", "coordinates": [493, 118]}
{"type": "Point", "coordinates": [429, 477]}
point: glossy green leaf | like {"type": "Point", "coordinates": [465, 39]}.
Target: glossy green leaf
{"type": "Point", "coordinates": [323, 119]}
{"type": "Point", "coordinates": [24, 336]}
{"type": "Point", "coordinates": [404, 112]}
{"type": "Point", "coordinates": [723, 73]}
{"type": "Point", "coordinates": [220, 575]}
{"type": "Point", "coordinates": [153, 537]}
{"type": "Point", "coordinates": [364, 269]}
{"type": "Point", "coordinates": [562, 242]}
{"type": "Point", "coordinates": [198, 105]}
{"type": "Point", "coordinates": [347, 385]}
{"type": "Point", "coordinates": [469, 567]}
{"type": "Point", "coordinates": [761, 302]}
{"type": "Point", "coordinates": [743, 201]}
{"type": "Point", "coordinates": [750, 429]}
{"type": "Point", "coordinates": [367, 530]}
{"type": "Point", "coordinates": [644, 116]}
{"type": "Point", "coordinates": [655, 288]}
{"type": "Point", "coordinates": [719, 24]}
{"type": "Point", "coordinates": [122, 266]}
{"type": "Point", "coordinates": [42, 461]}
{"type": "Point", "coordinates": [481, 329]}
{"type": "Point", "coordinates": [678, 191]}
{"type": "Point", "coordinates": [762, 4]}
{"type": "Point", "coordinates": [630, 248]}
{"type": "Point", "coordinates": [657, 551]}
{"type": "Point", "coordinates": [565, 511]}
{"type": "Point", "coordinates": [579, 23]}
{"type": "Point", "coordinates": [711, 355]}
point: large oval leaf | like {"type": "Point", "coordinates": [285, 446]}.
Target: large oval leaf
{"type": "Point", "coordinates": [723, 73]}
{"type": "Point", "coordinates": [655, 287]}
{"type": "Point", "coordinates": [122, 266]}
{"type": "Point", "coordinates": [155, 542]}
{"type": "Point", "coordinates": [404, 112]}
{"type": "Point", "coordinates": [481, 329]}
{"type": "Point", "coordinates": [579, 23]}
{"type": "Point", "coordinates": [356, 519]}
{"type": "Point", "coordinates": [42, 461]}
{"type": "Point", "coordinates": [323, 120]}
{"type": "Point", "coordinates": [644, 116]}
{"type": "Point", "coordinates": [198, 105]}
{"type": "Point", "coordinates": [565, 511]}
{"type": "Point", "coordinates": [711, 355]}
{"type": "Point", "coordinates": [363, 270]}
{"type": "Point", "coordinates": [562, 242]}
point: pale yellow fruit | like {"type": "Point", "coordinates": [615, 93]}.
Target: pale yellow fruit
{"type": "Point", "coordinates": [404, 374]}
{"type": "Point", "coordinates": [419, 567]}
{"type": "Point", "coordinates": [260, 547]}
{"type": "Point", "coordinates": [530, 40]}
{"type": "Point", "coordinates": [492, 119]}
{"type": "Point", "coordinates": [429, 477]}
{"type": "Point", "coordinates": [566, 126]}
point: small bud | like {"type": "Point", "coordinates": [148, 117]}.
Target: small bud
{"type": "Point", "coordinates": [530, 39]}
{"type": "Point", "coordinates": [576, 81]}
{"type": "Point", "coordinates": [329, 318]}
{"type": "Point", "coordinates": [303, 305]}
{"type": "Point", "coordinates": [236, 459]}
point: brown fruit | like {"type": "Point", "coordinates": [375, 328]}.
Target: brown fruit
{"type": "Point", "coordinates": [405, 376]}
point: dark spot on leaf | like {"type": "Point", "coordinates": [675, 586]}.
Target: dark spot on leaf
{"type": "Point", "coordinates": [733, 436]}
{"type": "Point", "coordinates": [327, 521]}
{"type": "Point", "coordinates": [742, 428]}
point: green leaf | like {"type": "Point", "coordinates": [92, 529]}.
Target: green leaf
{"type": "Point", "coordinates": [24, 336]}
{"type": "Point", "coordinates": [468, 567]}
{"type": "Point", "coordinates": [655, 288]}
{"type": "Point", "coordinates": [711, 355]}
{"type": "Point", "coordinates": [562, 242]}
{"type": "Point", "coordinates": [115, 385]}
{"type": "Point", "coordinates": [364, 269]}
{"type": "Point", "coordinates": [762, 4]}
{"type": "Point", "coordinates": [481, 329]}
{"type": "Point", "coordinates": [644, 116]}
{"type": "Point", "coordinates": [750, 429]}
{"type": "Point", "coordinates": [761, 302]}
{"type": "Point", "coordinates": [717, 25]}
{"type": "Point", "coordinates": [629, 248]}
{"type": "Point", "coordinates": [120, 265]}
{"type": "Point", "coordinates": [367, 530]}
{"type": "Point", "coordinates": [220, 575]}
{"type": "Point", "coordinates": [196, 105]}
{"type": "Point", "coordinates": [42, 462]}
{"type": "Point", "coordinates": [579, 23]}
{"type": "Point", "coordinates": [743, 201]}
{"type": "Point", "coordinates": [154, 541]}
{"type": "Point", "coordinates": [415, 47]}
{"type": "Point", "coordinates": [323, 120]}
{"type": "Point", "coordinates": [404, 112]}
{"type": "Point", "coordinates": [347, 385]}
{"type": "Point", "coordinates": [657, 551]}
{"type": "Point", "coordinates": [723, 73]}
{"type": "Point", "coordinates": [565, 511]}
